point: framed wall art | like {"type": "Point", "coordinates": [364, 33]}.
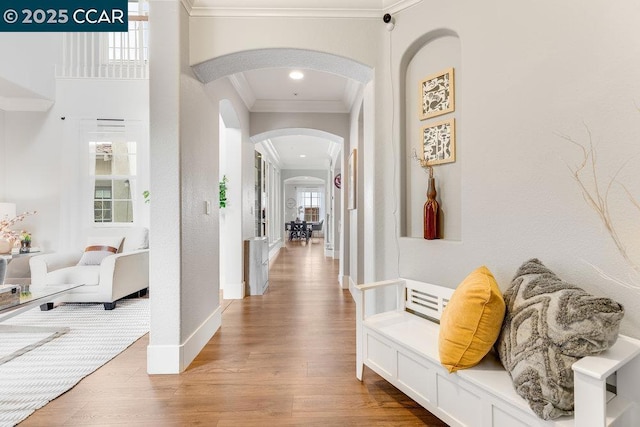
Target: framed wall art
{"type": "Point", "coordinates": [438, 143]}
{"type": "Point", "coordinates": [437, 94]}
{"type": "Point", "coordinates": [353, 170]}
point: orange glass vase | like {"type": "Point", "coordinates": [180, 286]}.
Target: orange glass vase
{"type": "Point", "coordinates": [431, 211]}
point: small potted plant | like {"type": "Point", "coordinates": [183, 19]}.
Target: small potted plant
{"type": "Point", "coordinates": [25, 242]}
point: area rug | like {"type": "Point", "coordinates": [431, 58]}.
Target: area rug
{"type": "Point", "coordinates": [30, 380]}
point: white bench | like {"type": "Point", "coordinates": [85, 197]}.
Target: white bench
{"type": "Point", "coordinates": [403, 349]}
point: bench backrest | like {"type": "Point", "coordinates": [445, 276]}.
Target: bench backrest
{"type": "Point", "coordinates": [426, 300]}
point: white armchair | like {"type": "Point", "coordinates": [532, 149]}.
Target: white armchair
{"type": "Point", "coordinates": [117, 276]}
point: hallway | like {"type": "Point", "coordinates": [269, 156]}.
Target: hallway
{"type": "Point", "coordinates": [285, 358]}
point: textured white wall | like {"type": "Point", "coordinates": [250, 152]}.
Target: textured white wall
{"type": "Point", "coordinates": [530, 74]}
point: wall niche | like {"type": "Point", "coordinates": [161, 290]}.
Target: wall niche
{"type": "Point", "coordinates": [429, 56]}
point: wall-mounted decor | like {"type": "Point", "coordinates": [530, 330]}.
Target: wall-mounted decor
{"type": "Point", "coordinates": [353, 170]}
{"type": "Point", "coordinates": [437, 94]}
{"type": "Point", "coordinates": [438, 143]}
{"type": "Point", "coordinates": [337, 181]}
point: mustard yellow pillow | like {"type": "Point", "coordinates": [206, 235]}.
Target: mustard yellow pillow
{"type": "Point", "coordinates": [471, 321]}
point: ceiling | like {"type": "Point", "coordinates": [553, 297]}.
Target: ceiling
{"type": "Point", "coordinates": [272, 90]}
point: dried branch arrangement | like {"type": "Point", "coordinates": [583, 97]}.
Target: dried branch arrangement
{"type": "Point", "coordinates": [597, 197]}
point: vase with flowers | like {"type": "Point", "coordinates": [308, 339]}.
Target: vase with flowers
{"type": "Point", "coordinates": [8, 236]}
{"type": "Point", "coordinates": [25, 242]}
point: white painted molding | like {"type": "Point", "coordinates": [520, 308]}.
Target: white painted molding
{"type": "Point", "coordinates": [188, 5]}
{"type": "Point", "coordinates": [174, 359]}
{"type": "Point", "coordinates": [276, 106]}
{"type": "Point", "coordinates": [203, 11]}
{"type": "Point", "coordinates": [328, 252]}
{"type": "Point", "coordinates": [234, 290]}
{"type": "Point", "coordinates": [336, 254]}
{"type": "Point", "coordinates": [351, 92]}
{"type": "Point", "coordinates": [273, 154]}
{"type": "Point", "coordinates": [344, 281]}
{"type": "Point", "coordinates": [392, 6]}
{"type": "Point", "coordinates": [241, 85]}
{"type": "Point", "coordinates": [25, 104]}
{"type": "Point", "coordinates": [291, 8]}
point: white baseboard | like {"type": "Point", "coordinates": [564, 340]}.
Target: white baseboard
{"type": "Point", "coordinates": [174, 359]}
{"type": "Point", "coordinates": [344, 281]}
{"type": "Point", "coordinates": [328, 252]}
{"type": "Point", "coordinates": [233, 291]}
{"type": "Point", "coordinates": [274, 252]}
{"type": "Point", "coordinates": [336, 254]}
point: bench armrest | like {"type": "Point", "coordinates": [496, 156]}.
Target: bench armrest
{"type": "Point", "coordinates": [380, 284]}
{"type": "Point", "coordinates": [590, 380]}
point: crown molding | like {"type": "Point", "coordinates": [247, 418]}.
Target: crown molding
{"type": "Point", "coordinates": [275, 106]}
{"type": "Point", "coordinates": [241, 85]}
{"type": "Point", "coordinates": [25, 104]}
{"type": "Point", "coordinates": [212, 8]}
{"type": "Point", "coordinates": [350, 93]}
{"type": "Point", "coordinates": [398, 6]}
{"type": "Point", "coordinates": [273, 153]}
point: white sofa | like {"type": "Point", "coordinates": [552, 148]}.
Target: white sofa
{"type": "Point", "coordinates": [118, 275]}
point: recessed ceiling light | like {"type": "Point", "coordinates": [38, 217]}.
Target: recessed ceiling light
{"type": "Point", "coordinates": [303, 155]}
{"type": "Point", "coordinates": [296, 75]}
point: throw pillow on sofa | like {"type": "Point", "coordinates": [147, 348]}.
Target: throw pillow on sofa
{"type": "Point", "coordinates": [550, 324]}
{"type": "Point", "coordinates": [98, 248]}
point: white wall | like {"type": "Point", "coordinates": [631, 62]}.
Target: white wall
{"type": "Point", "coordinates": [29, 60]}
{"type": "Point", "coordinates": [45, 158]}
{"type": "Point", "coordinates": [530, 74]}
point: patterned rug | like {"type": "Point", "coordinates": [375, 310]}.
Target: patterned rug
{"type": "Point", "coordinates": [55, 362]}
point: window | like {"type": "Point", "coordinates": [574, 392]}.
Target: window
{"type": "Point", "coordinates": [133, 45]}
{"type": "Point", "coordinates": [113, 170]}
{"type": "Point", "coordinates": [311, 204]}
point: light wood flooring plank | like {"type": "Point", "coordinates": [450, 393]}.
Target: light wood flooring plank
{"type": "Point", "coordinates": [286, 358]}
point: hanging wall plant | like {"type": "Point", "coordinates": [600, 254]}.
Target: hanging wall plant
{"type": "Point", "coordinates": [223, 191]}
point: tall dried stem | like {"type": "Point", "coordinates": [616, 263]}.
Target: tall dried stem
{"type": "Point", "coordinates": [596, 197]}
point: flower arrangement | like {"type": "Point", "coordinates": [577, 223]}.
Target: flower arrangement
{"type": "Point", "coordinates": [6, 233]}
{"type": "Point", "coordinates": [25, 236]}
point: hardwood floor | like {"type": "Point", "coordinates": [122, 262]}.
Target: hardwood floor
{"type": "Point", "coordinates": [286, 358]}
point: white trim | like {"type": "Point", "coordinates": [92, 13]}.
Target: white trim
{"type": "Point", "coordinates": [242, 86]}
{"type": "Point", "coordinates": [273, 153]}
{"type": "Point", "coordinates": [174, 359]}
{"type": "Point", "coordinates": [336, 254]}
{"type": "Point", "coordinates": [351, 91]}
{"type": "Point", "coordinates": [399, 6]}
{"type": "Point", "coordinates": [328, 252]}
{"type": "Point", "coordinates": [386, 6]}
{"type": "Point", "coordinates": [204, 11]}
{"type": "Point", "coordinates": [233, 290]}
{"type": "Point", "coordinates": [276, 106]}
